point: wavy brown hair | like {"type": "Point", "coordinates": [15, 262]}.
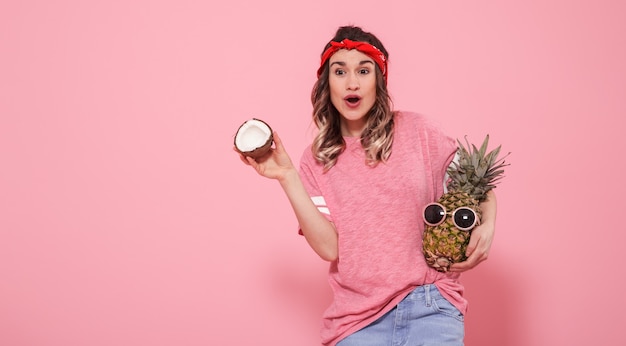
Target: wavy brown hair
{"type": "Point", "coordinates": [377, 136]}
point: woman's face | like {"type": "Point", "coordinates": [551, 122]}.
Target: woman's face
{"type": "Point", "coordinates": [352, 81]}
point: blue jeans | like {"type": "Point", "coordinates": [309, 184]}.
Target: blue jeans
{"type": "Point", "coordinates": [423, 318]}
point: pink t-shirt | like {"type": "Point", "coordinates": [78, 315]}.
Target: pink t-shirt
{"type": "Point", "coordinates": [377, 214]}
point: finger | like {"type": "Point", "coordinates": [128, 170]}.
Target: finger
{"type": "Point", "coordinates": [278, 142]}
{"type": "Point", "coordinates": [243, 159]}
{"type": "Point", "coordinates": [472, 261]}
{"type": "Point", "coordinates": [475, 240]}
{"type": "Point", "coordinates": [471, 247]}
{"type": "Point", "coordinates": [458, 267]}
{"type": "Point", "coordinates": [463, 266]}
{"type": "Point", "coordinates": [251, 161]}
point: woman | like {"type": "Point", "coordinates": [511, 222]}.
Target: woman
{"type": "Point", "coordinates": [357, 197]}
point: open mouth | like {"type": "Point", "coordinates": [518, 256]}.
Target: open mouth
{"type": "Point", "coordinates": [352, 99]}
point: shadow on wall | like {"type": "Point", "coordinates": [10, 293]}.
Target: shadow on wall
{"type": "Point", "coordinates": [494, 316]}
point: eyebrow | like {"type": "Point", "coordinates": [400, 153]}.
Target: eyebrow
{"type": "Point", "coordinates": [342, 63]}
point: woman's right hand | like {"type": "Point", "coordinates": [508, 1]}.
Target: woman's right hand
{"type": "Point", "coordinates": [319, 232]}
{"type": "Point", "coordinates": [275, 164]}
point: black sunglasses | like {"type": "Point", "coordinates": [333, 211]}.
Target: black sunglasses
{"type": "Point", "coordinates": [464, 218]}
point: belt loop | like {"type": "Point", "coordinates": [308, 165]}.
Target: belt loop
{"type": "Point", "coordinates": [427, 294]}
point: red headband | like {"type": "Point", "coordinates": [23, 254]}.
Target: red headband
{"type": "Point", "coordinates": [363, 47]}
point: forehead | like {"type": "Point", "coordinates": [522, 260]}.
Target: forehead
{"type": "Point", "coordinates": [349, 56]}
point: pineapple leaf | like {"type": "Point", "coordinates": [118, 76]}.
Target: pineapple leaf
{"type": "Point", "coordinates": [477, 171]}
{"type": "Point", "coordinates": [483, 147]}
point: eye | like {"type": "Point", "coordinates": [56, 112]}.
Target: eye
{"type": "Point", "coordinates": [364, 71]}
{"type": "Point", "coordinates": [339, 72]}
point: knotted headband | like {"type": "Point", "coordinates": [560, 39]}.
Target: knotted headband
{"type": "Point", "coordinates": [363, 47]}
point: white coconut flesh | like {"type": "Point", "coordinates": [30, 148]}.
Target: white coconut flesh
{"type": "Point", "coordinates": [253, 134]}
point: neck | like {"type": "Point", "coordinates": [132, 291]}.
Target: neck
{"type": "Point", "coordinates": [352, 128]}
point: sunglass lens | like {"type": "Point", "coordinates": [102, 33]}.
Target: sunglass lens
{"type": "Point", "coordinates": [464, 218]}
{"type": "Point", "coordinates": [433, 214]}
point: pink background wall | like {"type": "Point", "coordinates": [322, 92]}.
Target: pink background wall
{"type": "Point", "coordinates": [126, 219]}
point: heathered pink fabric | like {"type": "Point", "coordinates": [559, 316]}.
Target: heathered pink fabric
{"type": "Point", "coordinates": [377, 213]}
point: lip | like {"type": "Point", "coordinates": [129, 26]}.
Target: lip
{"type": "Point", "coordinates": [352, 104]}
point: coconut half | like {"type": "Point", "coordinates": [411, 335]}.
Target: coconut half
{"type": "Point", "coordinates": [254, 138]}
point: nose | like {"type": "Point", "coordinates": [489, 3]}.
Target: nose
{"type": "Point", "coordinates": [352, 82]}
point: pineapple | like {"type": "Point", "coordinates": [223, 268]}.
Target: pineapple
{"type": "Point", "coordinates": [471, 178]}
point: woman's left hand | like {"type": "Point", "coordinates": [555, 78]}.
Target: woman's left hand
{"type": "Point", "coordinates": [482, 236]}
{"type": "Point", "coordinates": [477, 249]}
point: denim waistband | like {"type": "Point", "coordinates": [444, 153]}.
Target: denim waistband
{"type": "Point", "coordinates": [423, 293]}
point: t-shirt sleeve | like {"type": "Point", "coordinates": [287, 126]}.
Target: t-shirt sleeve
{"type": "Point", "coordinates": [309, 170]}
{"type": "Point", "coordinates": [442, 150]}
{"type": "Point", "coordinates": [446, 177]}
{"type": "Point", "coordinates": [449, 150]}
{"type": "Point", "coordinates": [445, 147]}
